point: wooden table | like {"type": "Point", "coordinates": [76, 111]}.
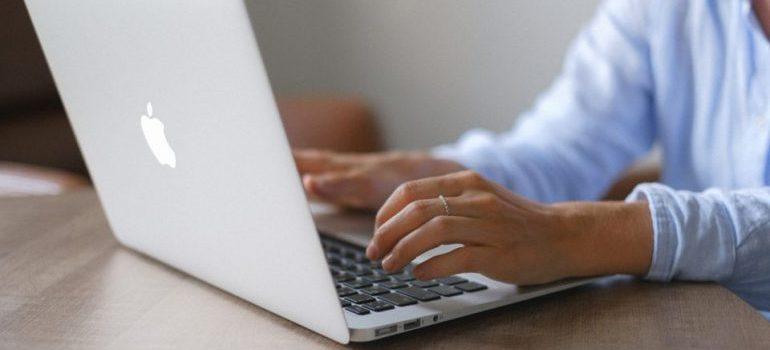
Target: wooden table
{"type": "Point", "coordinates": [65, 283]}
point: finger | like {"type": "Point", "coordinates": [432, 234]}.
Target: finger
{"type": "Point", "coordinates": [348, 188]}
{"type": "Point", "coordinates": [414, 215]}
{"type": "Point", "coordinates": [316, 161]}
{"type": "Point", "coordinates": [438, 231]}
{"type": "Point", "coordinates": [307, 184]}
{"type": "Point", "coordinates": [450, 185]}
{"type": "Point", "coordinates": [460, 260]}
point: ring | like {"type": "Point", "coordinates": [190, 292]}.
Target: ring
{"type": "Point", "coordinates": [446, 205]}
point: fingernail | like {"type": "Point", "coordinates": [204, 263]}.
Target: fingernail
{"type": "Point", "coordinates": [372, 252]}
{"type": "Point", "coordinates": [388, 262]}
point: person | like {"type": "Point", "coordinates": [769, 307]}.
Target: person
{"type": "Point", "coordinates": [691, 76]}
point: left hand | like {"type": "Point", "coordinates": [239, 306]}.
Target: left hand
{"type": "Point", "coordinates": [504, 236]}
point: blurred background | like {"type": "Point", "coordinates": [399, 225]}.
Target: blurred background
{"type": "Point", "coordinates": [350, 75]}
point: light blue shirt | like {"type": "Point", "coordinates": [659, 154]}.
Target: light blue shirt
{"type": "Point", "coordinates": [692, 76]}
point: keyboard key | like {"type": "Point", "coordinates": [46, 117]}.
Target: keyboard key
{"type": "Point", "coordinates": [424, 284]}
{"type": "Point", "coordinates": [376, 277]}
{"type": "Point", "coordinates": [358, 283]}
{"type": "Point", "coordinates": [405, 277]}
{"type": "Point", "coordinates": [345, 291]}
{"type": "Point", "coordinates": [470, 286]}
{"type": "Point", "coordinates": [344, 302]}
{"type": "Point", "coordinates": [418, 293]}
{"type": "Point", "coordinates": [398, 299]}
{"type": "Point", "coordinates": [446, 291]}
{"type": "Point", "coordinates": [357, 310]}
{"type": "Point", "coordinates": [362, 271]}
{"type": "Point", "coordinates": [344, 277]}
{"type": "Point", "coordinates": [392, 284]}
{"type": "Point", "coordinates": [332, 249]}
{"type": "Point", "coordinates": [350, 254]}
{"type": "Point", "coordinates": [375, 290]}
{"type": "Point", "coordinates": [392, 273]}
{"type": "Point", "coordinates": [359, 298]}
{"type": "Point", "coordinates": [378, 306]}
{"type": "Point", "coordinates": [333, 260]}
{"type": "Point", "coordinates": [348, 265]}
{"type": "Point", "coordinates": [452, 280]}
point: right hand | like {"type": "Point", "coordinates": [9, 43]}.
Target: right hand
{"type": "Point", "coordinates": [364, 181]}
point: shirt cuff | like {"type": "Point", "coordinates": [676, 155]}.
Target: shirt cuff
{"type": "Point", "coordinates": [665, 232]}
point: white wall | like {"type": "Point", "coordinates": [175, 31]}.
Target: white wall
{"type": "Point", "coordinates": [430, 68]}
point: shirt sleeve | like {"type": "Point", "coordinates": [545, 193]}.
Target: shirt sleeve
{"type": "Point", "coordinates": [589, 126]}
{"type": "Point", "coordinates": [715, 235]}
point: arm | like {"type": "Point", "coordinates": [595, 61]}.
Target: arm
{"type": "Point", "coordinates": [659, 233]}
{"type": "Point", "coordinates": [592, 123]}
{"type": "Point", "coordinates": [715, 235]}
{"type": "Point", "coordinates": [508, 237]}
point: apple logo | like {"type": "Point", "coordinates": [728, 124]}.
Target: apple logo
{"type": "Point", "coordinates": [155, 134]}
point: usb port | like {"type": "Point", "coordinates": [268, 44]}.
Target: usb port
{"type": "Point", "coordinates": [385, 330]}
{"type": "Point", "coordinates": [411, 324]}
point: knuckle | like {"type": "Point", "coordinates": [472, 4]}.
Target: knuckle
{"type": "Point", "coordinates": [473, 177]}
{"type": "Point", "coordinates": [414, 209]}
{"type": "Point", "coordinates": [407, 190]}
{"type": "Point", "coordinates": [395, 253]}
{"type": "Point", "coordinates": [378, 219]}
{"type": "Point", "coordinates": [440, 223]}
{"type": "Point", "coordinates": [488, 201]}
{"type": "Point", "coordinates": [377, 237]}
{"type": "Point", "coordinates": [402, 248]}
{"type": "Point", "coordinates": [421, 206]}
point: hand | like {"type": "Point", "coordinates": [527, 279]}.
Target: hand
{"type": "Point", "coordinates": [364, 181]}
{"type": "Point", "coordinates": [507, 237]}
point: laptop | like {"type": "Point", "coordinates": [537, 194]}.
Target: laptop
{"type": "Point", "coordinates": [173, 111]}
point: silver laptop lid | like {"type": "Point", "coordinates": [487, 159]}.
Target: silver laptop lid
{"type": "Point", "coordinates": [174, 114]}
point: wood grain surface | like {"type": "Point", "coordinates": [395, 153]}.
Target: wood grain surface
{"type": "Point", "coordinates": [65, 283]}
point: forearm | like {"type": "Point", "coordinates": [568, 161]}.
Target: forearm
{"type": "Point", "coordinates": [605, 238]}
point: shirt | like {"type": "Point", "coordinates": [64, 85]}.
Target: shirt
{"type": "Point", "coordinates": [691, 76]}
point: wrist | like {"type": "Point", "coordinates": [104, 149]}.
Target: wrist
{"type": "Point", "coordinates": [606, 238]}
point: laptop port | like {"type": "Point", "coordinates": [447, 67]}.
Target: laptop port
{"type": "Point", "coordinates": [411, 324]}
{"type": "Point", "coordinates": [385, 330]}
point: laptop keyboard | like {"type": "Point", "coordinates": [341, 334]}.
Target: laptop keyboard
{"type": "Point", "coordinates": [364, 287]}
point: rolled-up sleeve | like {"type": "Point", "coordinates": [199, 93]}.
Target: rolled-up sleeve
{"type": "Point", "coordinates": [715, 235]}
{"type": "Point", "coordinates": [588, 127]}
